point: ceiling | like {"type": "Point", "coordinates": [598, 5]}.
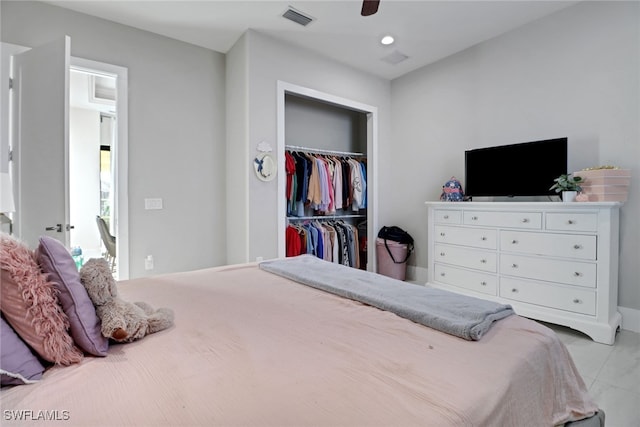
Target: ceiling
{"type": "Point", "coordinates": [425, 30]}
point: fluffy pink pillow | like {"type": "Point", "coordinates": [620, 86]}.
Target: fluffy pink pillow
{"type": "Point", "coordinates": [30, 305]}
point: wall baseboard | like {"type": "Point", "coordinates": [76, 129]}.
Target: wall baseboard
{"type": "Point", "coordinates": [417, 274]}
{"type": "Point", "coordinates": [630, 319]}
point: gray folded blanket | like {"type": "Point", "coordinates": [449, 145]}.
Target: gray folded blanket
{"type": "Point", "coordinates": [463, 316]}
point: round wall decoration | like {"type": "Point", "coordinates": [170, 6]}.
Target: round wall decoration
{"type": "Point", "coordinates": [265, 167]}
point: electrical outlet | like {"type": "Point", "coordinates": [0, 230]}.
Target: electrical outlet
{"type": "Point", "coordinates": [148, 262]}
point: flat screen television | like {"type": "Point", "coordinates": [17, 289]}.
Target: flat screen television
{"type": "Point", "coordinates": [524, 169]}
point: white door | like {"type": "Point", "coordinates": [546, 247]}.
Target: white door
{"type": "Point", "coordinates": [41, 141]}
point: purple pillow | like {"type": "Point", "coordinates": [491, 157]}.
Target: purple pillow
{"type": "Point", "coordinates": [18, 365]}
{"type": "Point", "coordinates": [57, 263]}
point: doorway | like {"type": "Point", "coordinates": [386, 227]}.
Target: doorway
{"type": "Point", "coordinates": [97, 161]}
{"type": "Point", "coordinates": [92, 121]}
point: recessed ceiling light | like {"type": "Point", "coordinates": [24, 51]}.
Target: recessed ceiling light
{"type": "Point", "coordinates": [387, 40]}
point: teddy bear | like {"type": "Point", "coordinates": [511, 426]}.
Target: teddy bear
{"type": "Point", "coordinates": [122, 321]}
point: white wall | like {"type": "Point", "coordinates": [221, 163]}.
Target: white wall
{"type": "Point", "coordinates": [176, 130]}
{"type": "Point", "coordinates": [575, 73]}
{"type": "Point", "coordinates": [264, 61]}
{"type": "Point", "coordinates": [84, 178]}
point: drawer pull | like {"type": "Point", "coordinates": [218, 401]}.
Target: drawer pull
{"type": "Point", "coordinates": [577, 246]}
{"type": "Point", "coordinates": [514, 290]}
{"type": "Point", "coordinates": [474, 218]}
{"type": "Point", "coordinates": [441, 274]}
{"type": "Point", "coordinates": [570, 222]}
{"type": "Point", "coordinates": [514, 265]}
{"type": "Point", "coordinates": [577, 274]}
{"type": "Point", "coordinates": [525, 220]}
{"type": "Point", "coordinates": [483, 283]}
{"type": "Point", "coordinates": [446, 217]}
{"type": "Point", "coordinates": [441, 234]}
{"type": "Point", "coordinates": [514, 242]}
{"type": "Point", "coordinates": [483, 238]}
{"type": "Point", "coordinates": [441, 253]}
{"type": "Point", "coordinates": [577, 301]}
{"type": "Point", "coordinates": [483, 261]}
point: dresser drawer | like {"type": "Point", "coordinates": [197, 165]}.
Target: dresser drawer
{"type": "Point", "coordinates": [447, 216]}
{"type": "Point", "coordinates": [472, 280]}
{"type": "Point", "coordinates": [572, 221]}
{"type": "Point", "coordinates": [576, 246]}
{"type": "Point", "coordinates": [466, 257]}
{"type": "Point", "coordinates": [525, 220]}
{"type": "Point", "coordinates": [551, 270]}
{"type": "Point", "coordinates": [474, 237]}
{"type": "Point", "coordinates": [567, 298]}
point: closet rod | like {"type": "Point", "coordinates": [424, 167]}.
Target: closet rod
{"type": "Point", "coordinates": [324, 217]}
{"type": "Point", "coordinates": [321, 151]}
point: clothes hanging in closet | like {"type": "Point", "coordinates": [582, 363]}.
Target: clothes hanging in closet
{"type": "Point", "coordinates": [334, 241]}
{"type": "Point", "coordinates": [324, 183]}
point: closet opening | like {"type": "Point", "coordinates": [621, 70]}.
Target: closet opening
{"type": "Point", "coordinates": [327, 147]}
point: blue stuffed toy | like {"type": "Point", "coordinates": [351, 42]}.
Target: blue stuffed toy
{"type": "Point", "coordinates": [452, 191]}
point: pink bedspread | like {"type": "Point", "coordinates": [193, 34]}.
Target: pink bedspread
{"type": "Point", "coordinates": [252, 348]}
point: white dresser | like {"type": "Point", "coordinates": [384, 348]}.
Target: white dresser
{"type": "Point", "coordinates": [552, 261]}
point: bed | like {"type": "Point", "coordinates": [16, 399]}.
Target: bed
{"type": "Point", "coordinates": [250, 347]}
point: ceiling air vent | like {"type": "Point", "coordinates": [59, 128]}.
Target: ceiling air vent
{"type": "Point", "coordinates": [395, 57]}
{"type": "Point", "coordinates": [298, 17]}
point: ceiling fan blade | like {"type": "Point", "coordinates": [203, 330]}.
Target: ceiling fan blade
{"type": "Point", "coordinates": [369, 7]}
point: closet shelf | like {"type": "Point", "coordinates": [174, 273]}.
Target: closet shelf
{"type": "Point", "coordinates": [324, 217]}
{"type": "Point", "coordinates": [321, 151]}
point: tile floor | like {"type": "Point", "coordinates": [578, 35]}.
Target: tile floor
{"type": "Point", "coordinates": [612, 373]}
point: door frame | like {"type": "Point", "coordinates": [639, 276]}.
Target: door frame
{"type": "Point", "coordinates": [121, 149]}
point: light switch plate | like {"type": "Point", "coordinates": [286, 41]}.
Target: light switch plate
{"type": "Point", "coordinates": [152, 204]}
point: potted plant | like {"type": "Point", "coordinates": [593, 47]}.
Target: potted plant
{"type": "Point", "coordinates": [567, 185]}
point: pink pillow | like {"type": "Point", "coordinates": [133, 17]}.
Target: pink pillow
{"type": "Point", "coordinates": [56, 262]}
{"type": "Point", "coordinates": [30, 305]}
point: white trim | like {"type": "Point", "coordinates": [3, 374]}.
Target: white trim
{"type": "Point", "coordinates": [281, 209]}
{"type": "Point", "coordinates": [284, 88]}
{"type": "Point", "coordinates": [417, 274]}
{"type": "Point", "coordinates": [67, 149]}
{"type": "Point", "coordinates": [122, 153]}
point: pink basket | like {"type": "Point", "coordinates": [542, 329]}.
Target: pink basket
{"type": "Point", "coordinates": [386, 265]}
